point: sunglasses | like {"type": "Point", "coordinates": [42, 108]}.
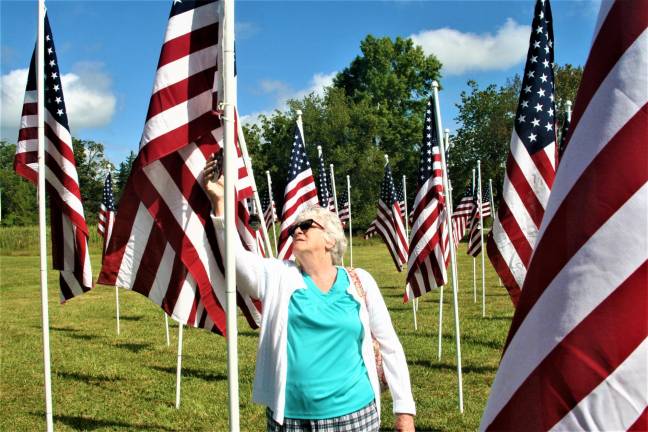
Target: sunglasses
{"type": "Point", "coordinates": [304, 226]}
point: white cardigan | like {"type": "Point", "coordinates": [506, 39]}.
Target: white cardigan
{"type": "Point", "coordinates": [273, 281]}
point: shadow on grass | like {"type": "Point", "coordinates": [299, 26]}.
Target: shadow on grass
{"type": "Point", "coordinates": [249, 333]}
{"type": "Point", "coordinates": [60, 329]}
{"type": "Point", "coordinates": [419, 428]}
{"type": "Point", "coordinates": [90, 379]}
{"type": "Point", "coordinates": [193, 373]}
{"type": "Point", "coordinates": [131, 317]}
{"type": "Point", "coordinates": [85, 337]}
{"type": "Point", "coordinates": [88, 424]}
{"type": "Point", "coordinates": [451, 367]}
{"type": "Point", "coordinates": [496, 345]}
{"type": "Point", "coordinates": [499, 318]}
{"type": "Point", "coordinates": [134, 347]}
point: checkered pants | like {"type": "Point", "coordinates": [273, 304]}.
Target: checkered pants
{"type": "Point", "coordinates": [363, 420]}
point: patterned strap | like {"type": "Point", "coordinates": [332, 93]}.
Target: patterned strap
{"type": "Point", "coordinates": [356, 282]}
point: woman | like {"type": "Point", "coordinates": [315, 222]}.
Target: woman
{"type": "Point", "coordinates": [316, 368]}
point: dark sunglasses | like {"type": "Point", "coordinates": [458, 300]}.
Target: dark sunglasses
{"type": "Point", "coordinates": [304, 226]}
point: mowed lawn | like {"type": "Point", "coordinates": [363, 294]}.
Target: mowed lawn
{"type": "Point", "coordinates": [102, 381]}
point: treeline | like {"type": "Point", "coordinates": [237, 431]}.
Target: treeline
{"type": "Point", "coordinates": [375, 106]}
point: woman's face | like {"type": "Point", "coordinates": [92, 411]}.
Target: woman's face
{"type": "Point", "coordinates": [309, 237]}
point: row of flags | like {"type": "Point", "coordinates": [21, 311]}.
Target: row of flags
{"type": "Point", "coordinates": [570, 277]}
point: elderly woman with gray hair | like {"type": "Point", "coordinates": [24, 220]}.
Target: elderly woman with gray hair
{"type": "Point", "coordinates": [316, 367]}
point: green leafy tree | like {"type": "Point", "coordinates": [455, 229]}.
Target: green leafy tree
{"type": "Point", "coordinates": [122, 174]}
{"type": "Point", "coordinates": [92, 169]}
{"type": "Point", "coordinates": [19, 203]}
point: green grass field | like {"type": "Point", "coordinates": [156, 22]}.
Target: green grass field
{"type": "Point", "coordinates": [102, 381]}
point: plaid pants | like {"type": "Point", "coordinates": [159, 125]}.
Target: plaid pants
{"type": "Point", "coordinates": [363, 420]}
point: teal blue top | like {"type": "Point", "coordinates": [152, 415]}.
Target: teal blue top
{"type": "Point", "coordinates": [327, 376]}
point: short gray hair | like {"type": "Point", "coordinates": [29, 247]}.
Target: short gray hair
{"type": "Point", "coordinates": [332, 229]}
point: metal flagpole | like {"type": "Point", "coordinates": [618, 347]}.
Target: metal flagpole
{"type": "Point", "coordinates": [40, 86]}
{"type": "Point", "coordinates": [410, 293]}
{"type": "Point", "coordinates": [481, 224]}
{"type": "Point", "coordinates": [272, 212]}
{"type": "Point", "coordinates": [568, 108]}
{"type": "Point", "coordinates": [332, 169]}
{"type": "Point", "coordinates": [350, 231]}
{"type": "Point", "coordinates": [179, 366]}
{"type": "Point", "coordinates": [166, 327]}
{"type": "Point", "coordinates": [453, 255]}
{"type": "Point", "coordinates": [230, 222]}
{"type": "Point", "coordinates": [247, 161]}
{"type": "Point", "coordinates": [474, 259]}
{"type": "Point", "coordinates": [300, 125]}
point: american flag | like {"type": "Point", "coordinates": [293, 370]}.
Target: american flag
{"type": "Point", "coordinates": [344, 208]}
{"type": "Point", "coordinates": [269, 211]}
{"type": "Point", "coordinates": [106, 212]}
{"type": "Point", "coordinates": [486, 203]}
{"type": "Point", "coordinates": [577, 352]}
{"type": "Point", "coordinates": [389, 222]}
{"type": "Point", "coordinates": [461, 215]}
{"type": "Point", "coordinates": [475, 226]}
{"type": "Point", "coordinates": [164, 243]}
{"type": "Point", "coordinates": [69, 231]}
{"type": "Point", "coordinates": [401, 199]}
{"type": "Point", "coordinates": [324, 193]}
{"type": "Point", "coordinates": [371, 230]}
{"type": "Point", "coordinates": [531, 164]}
{"type": "Point", "coordinates": [300, 192]}
{"type": "Point", "coordinates": [429, 250]}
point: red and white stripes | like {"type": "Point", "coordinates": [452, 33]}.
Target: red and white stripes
{"type": "Point", "coordinates": [576, 354]}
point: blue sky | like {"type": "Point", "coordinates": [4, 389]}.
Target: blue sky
{"type": "Point", "coordinates": [108, 51]}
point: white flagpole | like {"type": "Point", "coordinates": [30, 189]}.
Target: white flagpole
{"type": "Point", "coordinates": [410, 293]}
{"type": "Point", "coordinates": [179, 366]}
{"type": "Point", "coordinates": [230, 222]}
{"type": "Point", "coordinates": [300, 125]}
{"type": "Point", "coordinates": [117, 307]}
{"type": "Point", "coordinates": [247, 161]}
{"type": "Point", "coordinates": [166, 327]}
{"type": "Point", "coordinates": [474, 259]}
{"type": "Point", "coordinates": [350, 232]}
{"type": "Point", "coordinates": [453, 256]}
{"type": "Point", "coordinates": [40, 86]}
{"type": "Point", "coordinates": [332, 169]}
{"type": "Point", "coordinates": [272, 212]}
{"type": "Point", "coordinates": [481, 223]}
{"type": "Point", "coordinates": [568, 108]}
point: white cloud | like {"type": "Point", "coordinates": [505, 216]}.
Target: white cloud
{"type": "Point", "coordinates": [283, 92]}
{"type": "Point", "coordinates": [89, 99]}
{"type": "Point", "coordinates": [466, 52]}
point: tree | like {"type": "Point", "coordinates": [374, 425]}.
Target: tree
{"type": "Point", "coordinates": [19, 203]}
{"type": "Point", "coordinates": [122, 174]}
{"type": "Point", "coordinates": [92, 169]}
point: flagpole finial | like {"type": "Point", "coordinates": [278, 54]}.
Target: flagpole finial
{"type": "Point", "coordinates": [386, 158]}
{"type": "Point", "coordinates": [568, 104]}
{"type": "Point", "coordinates": [319, 150]}
{"type": "Point", "coordinates": [435, 84]}
{"type": "Point", "coordinates": [331, 166]}
{"type": "Point", "coordinates": [447, 131]}
{"type": "Point", "coordinates": [299, 113]}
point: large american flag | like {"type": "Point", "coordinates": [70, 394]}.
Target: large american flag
{"type": "Point", "coordinates": [429, 250]}
{"type": "Point", "coordinates": [106, 219]}
{"type": "Point", "coordinates": [164, 242]}
{"type": "Point", "coordinates": [389, 222]}
{"type": "Point", "coordinates": [475, 226]}
{"type": "Point", "coordinates": [531, 164]}
{"type": "Point", "coordinates": [461, 215]}
{"type": "Point", "coordinates": [577, 352]}
{"type": "Point", "coordinates": [324, 193]}
{"type": "Point", "coordinates": [300, 192]}
{"type": "Point", "coordinates": [69, 231]}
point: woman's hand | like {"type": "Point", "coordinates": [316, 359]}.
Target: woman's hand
{"type": "Point", "coordinates": [215, 188]}
{"type": "Point", "coordinates": [404, 423]}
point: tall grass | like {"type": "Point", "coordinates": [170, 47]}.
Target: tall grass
{"type": "Point", "coordinates": [23, 240]}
